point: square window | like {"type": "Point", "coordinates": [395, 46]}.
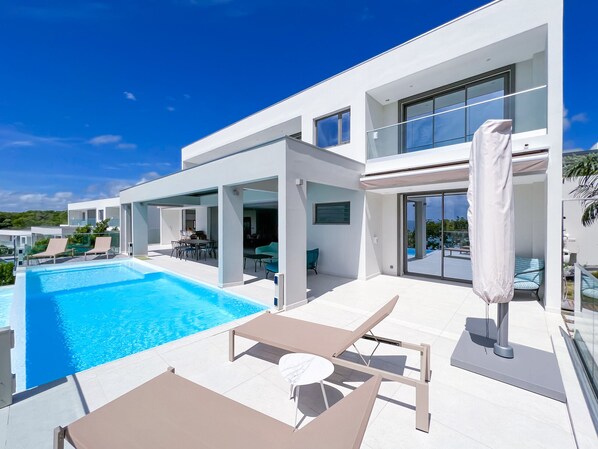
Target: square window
{"type": "Point", "coordinates": [333, 129]}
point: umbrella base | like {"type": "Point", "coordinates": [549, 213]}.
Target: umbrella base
{"type": "Point", "coordinates": [531, 369]}
{"type": "Point", "coordinates": [503, 351]}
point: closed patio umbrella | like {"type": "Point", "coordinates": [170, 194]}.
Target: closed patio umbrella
{"type": "Point", "coordinates": [491, 222]}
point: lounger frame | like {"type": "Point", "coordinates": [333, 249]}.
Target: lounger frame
{"type": "Point", "coordinates": [422, 395]}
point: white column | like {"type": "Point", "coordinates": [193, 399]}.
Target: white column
{"type": "Point", "coordinates": [553, 256]}
{"type": "Point", "coordinates": [230, 232]}
{"type": "Point", "coordinates": [139, 228]}
{"type": "Point", "coordinates": [125, 227]}
{"type": "Point", "coordinates": [292, 239]}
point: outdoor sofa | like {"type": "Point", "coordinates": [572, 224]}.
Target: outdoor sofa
{"type": "Point", "coordinates": [312, 262]}
{"type": "Point", "coordinates": [270, 250]}
{"type": "Point", "coordinates": [295, 335]}
{"type": "Point", "coordinates": [170, 411]}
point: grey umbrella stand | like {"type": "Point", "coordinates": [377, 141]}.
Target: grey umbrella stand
{"type": "Point", "coordinates": [501, 347]}
{"type": "Point", "coordinates": [490, 217]}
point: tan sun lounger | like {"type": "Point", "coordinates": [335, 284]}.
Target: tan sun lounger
{"type": "Point", "coordinates": [102, 246]}
{"type": "Point", "coordinates": [172, 412]}
{"type": "Point", "coordinates": [330, 342]}
{"type": "Point", "coordinates": [56, 247]}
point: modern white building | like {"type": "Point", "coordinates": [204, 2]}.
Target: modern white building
{"type": "Point", "coordinates": [371, 165]}
{"type": "Point", "coordinates": [90, 212]}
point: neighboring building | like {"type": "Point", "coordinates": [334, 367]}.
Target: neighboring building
{"type": "Point", "coordinates": [371, 165]}
{"type": "Point", "coordinates": [581, 241]}
{"type": "Point", "coordinates": [9, 236]}
{"type": "Point", "coordinates": [90, 212]}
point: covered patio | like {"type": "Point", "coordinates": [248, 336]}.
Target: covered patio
{"type": "Point", "coordinates": [287, 171]}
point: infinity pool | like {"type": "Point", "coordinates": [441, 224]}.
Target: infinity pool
{"type": "Point", "coordinates": [5, 302]}
{"type": "Point", "coordinates": [78, 318]}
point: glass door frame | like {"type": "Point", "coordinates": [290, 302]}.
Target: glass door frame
{"type": "Point", "coordinates": [404, 245]}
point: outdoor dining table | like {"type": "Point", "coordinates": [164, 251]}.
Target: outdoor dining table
{"type": "Point", "coordinates": [195, 243]}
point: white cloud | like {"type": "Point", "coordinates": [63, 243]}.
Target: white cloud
{"type": "Point", "coordinates": [170, 108]}
{"type": "Point", "coordinates": [21, 201]}
{"type": "Point", "coordinates": [581, 117]}
{"type": "Point", "coordinates": [12, 137]}
{"type": "Point", "coordinates": [187, 96]}
{"type": "Point", "coordinates": [149, 176]}
{"type": "Point", "coordinates": [129, 96]}
{"type": "Point", "coordinates": [105, 139]}
{"type": "Point", "coordinates": [126, 146]}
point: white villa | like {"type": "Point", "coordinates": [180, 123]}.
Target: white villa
{"type": "Point", "coordinates": [358, 164]}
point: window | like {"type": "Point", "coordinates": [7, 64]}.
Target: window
{"type": "Point", "coordinates": [332, 213]}
{"type": "Point", "coordinates": [333, 129]}
{"type": "Point", "coordinates": [425, 130]}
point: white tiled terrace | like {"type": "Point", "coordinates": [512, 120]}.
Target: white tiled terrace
{"type": "Point", "coordinates": [467, 410]}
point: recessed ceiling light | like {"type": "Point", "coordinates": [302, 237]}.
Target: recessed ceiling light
{"type": "Point", "coordinates": [488, 59]}
{"type": "Point", "coordinates": [410, 85]}
{"type": "Point", "coordinates": [387, 100]}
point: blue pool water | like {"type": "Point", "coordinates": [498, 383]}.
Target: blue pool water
{"type": "Point", "coordinates": [79, 318]}
{"type": "Point", "coordinates": [411, 252]}
{"type": "Point", "coordinates": [5, 302]}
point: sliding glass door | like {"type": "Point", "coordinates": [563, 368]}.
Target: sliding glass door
{"type": "Point", "coordinates": [436, 237]}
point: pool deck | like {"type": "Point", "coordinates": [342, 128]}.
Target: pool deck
{"type": "Point", "coordinates": [467, 410]}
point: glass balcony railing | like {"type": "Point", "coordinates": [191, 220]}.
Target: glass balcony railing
{"type": "Point", "coordinates": [80, 222]}
{"type": "Point", "coordinates": [586, 322]}
{"type": "Point", "coordinates": [114, 222]}
{"type": "Point", "coordinates": [527, 109]}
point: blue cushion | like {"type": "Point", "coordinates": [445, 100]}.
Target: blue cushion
{"type": "Point", "coordinates": [529, 273]}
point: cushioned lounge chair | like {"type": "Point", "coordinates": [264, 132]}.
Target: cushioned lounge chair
{"type": "Point", "coordinates": [102, 246]}
{"type": "Point", "coordinates": [172, 412]}
{"type": "Point", "coordinates": [56, 247]}
{"type": "Point", "coordinates": [529, 274]}
{"type": "Point", "coordinates": [295, 335]}
{"type": "Point", "coordinates": [312, 262]}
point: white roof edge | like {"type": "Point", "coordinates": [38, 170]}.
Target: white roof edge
{"type": "Point", "coordinates": [379, 55]}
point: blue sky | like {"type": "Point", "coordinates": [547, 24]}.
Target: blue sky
{"type": "Point", "coordinates": [99, 95]}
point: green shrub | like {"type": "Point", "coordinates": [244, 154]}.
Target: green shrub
{"type": "Point", "coordinates": [6, 276]}
{"type": "Point", "coordinates": [40, 245]}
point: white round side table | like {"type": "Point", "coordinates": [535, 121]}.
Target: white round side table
{"type": "Point", "coordinates": [304, 369]}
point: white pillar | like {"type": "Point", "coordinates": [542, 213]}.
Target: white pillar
{"type": "Point", "coordinates": [230, 232]}
{"type": "Point", "coordinates": [292, 239]}
{"type": "Point", "coordinates": [125, 227]}
{"type": "Point", "coordinates": [139, 228]}
{"type": "Point", "coordinates": [553, 256]}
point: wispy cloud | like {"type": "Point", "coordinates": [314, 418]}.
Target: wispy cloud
{"type": "Point", "coordinates": [581, 117]}
{"type": "Point", "coordinates": [129, 96]}
{"type": "Point", "coordinates": [170, 108]}
{"type": "Point", "coordinates": [366, 14]}
{"type": "Point", "coordinates": [187, 96]}
{"type": "Point", "coordinates": [126, 146]}
{"type": "Point", "coordinates": [12, 137]}
{"type": "Point", "coordinates": [105, 139]}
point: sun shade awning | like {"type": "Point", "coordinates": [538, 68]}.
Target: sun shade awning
{"type": "Point", "coordinates": [523, 163]}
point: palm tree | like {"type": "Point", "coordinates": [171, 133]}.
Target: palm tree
{"type": "Point", "coordinates": [584, 169]}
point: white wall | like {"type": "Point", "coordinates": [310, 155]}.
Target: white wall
{"type": "Point", "coordinates": [372, 236]}
{"type": "Point", "coordinates": [530, 219]}
{"type": "Point", "coordinates": [339, 244]}
{"type": "Point", "coordinates": [389, 239]}
{"type": "Point", "coordinates": [153, 224]}
{"type": "Point", "coordinates": [201, 219]}
{"type": "Point", "coordinates": [170, 225]}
